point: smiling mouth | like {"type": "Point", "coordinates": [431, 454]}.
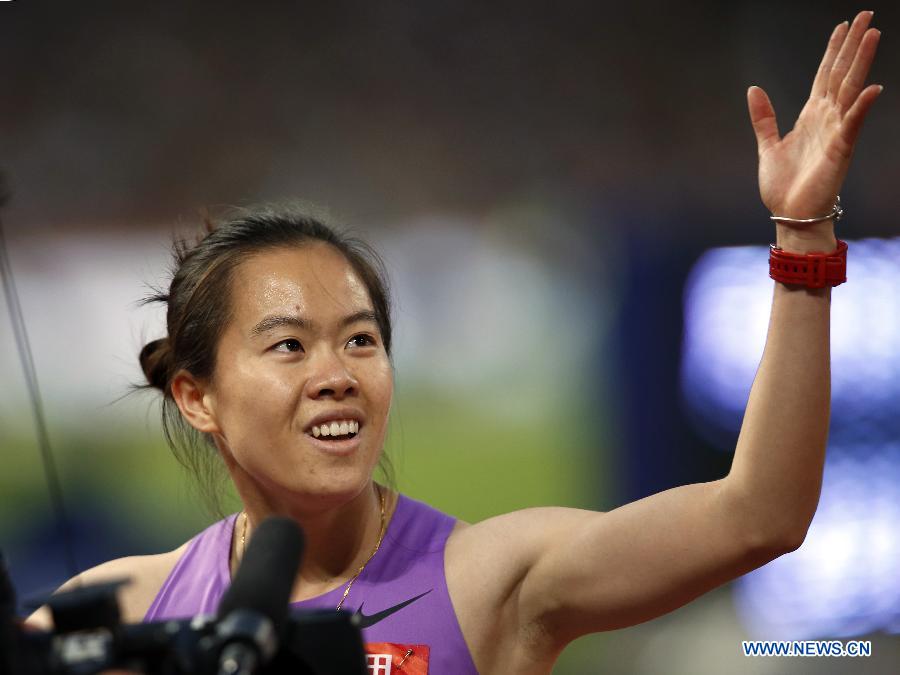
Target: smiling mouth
{"type": "Point", "coordinates": [339, 430]}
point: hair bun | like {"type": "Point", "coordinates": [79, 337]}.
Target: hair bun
{"type": "Point", "coordinates": [155, 361]}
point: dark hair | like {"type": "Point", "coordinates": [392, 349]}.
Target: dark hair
{"type": "Point", "coordinates": [198, 309]}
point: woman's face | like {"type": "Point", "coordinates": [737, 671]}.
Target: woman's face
{"type": "Point", "coordinates": [301, 357]}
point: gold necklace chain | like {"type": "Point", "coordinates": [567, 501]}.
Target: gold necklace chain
{"type": "Point", "coordinates": [372, 554]}
{"type": "Point", "coordinates": [361, 567]}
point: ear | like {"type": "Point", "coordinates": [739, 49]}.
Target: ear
{"type": "Point", "coordinates": [196, 402]}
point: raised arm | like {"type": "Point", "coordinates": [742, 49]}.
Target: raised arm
{"type": "Point", "coordinates": [572, 572]}
{"type": "Point", "coordinates": [781, 448]}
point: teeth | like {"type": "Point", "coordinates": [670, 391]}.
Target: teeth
{"type": "Point", "coordinates": [336, 428]}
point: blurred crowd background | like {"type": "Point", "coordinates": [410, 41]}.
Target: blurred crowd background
{"type": "Point", "coordinates": [565, 197]}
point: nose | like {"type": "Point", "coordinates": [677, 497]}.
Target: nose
{"type": "Point", "coordinates": [331, 378]}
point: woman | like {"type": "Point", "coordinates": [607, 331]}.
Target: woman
{"type": "Point", "coordinates": [278, 353]}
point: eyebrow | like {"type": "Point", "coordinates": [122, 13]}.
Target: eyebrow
{"type": "Point", "coordinates": [277, 321]}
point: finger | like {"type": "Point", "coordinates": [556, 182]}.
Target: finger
{"type": "Point", "coordinates": [859, 69]}
{"type": "Point", "coordinates": [848, 51]}
{"type": "Point", "coordinates": [855, 117]}
{"type": "Point", "coordinates": [762, 117]}
{"type": "Point", "coordinates": [820, 84]}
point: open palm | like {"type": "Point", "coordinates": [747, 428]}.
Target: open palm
{"type": "Point", "coordinates": [801, 174]}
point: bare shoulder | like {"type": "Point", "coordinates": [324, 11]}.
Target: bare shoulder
{"type": "Point", "coordinates": [518, 535]}
{"type": "Point", "coordinates": [485, 564]}
{"type": "Point", "coordinates": [496, 553]}
{"type": "Point", "coordinates": [146, 573]}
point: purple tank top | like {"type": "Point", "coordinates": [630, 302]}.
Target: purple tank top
{"type": "Point", "coordinates": [402, 592]}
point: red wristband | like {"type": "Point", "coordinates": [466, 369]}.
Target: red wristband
{"type": "Point", "coordinates": [813, 270]}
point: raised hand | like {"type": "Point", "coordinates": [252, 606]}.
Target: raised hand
{"type": "Point", "coordinates": [801, 174]}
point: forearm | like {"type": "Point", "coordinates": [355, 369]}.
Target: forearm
{"type": "Point", "coordinates": [776, 474]}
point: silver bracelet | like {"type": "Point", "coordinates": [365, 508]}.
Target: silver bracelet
{"type": "Point", "coordinates": [836, 213]}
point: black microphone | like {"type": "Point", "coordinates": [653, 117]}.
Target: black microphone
{"type": "Point", "coordinates": [254, 610]}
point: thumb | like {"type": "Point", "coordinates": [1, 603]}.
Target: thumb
{"type": "Point", "coordinates": [762, 117]}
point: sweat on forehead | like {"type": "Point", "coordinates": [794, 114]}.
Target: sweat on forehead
{"type": "Point", "coordinates": [298, 276]}
{"type": "Point", "coordinates": [314, 287]}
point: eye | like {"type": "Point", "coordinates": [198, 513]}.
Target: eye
{"type": "Point", "coordinates": [362, 340]}
{"type": "Point", "coordinates": [289, 345]}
